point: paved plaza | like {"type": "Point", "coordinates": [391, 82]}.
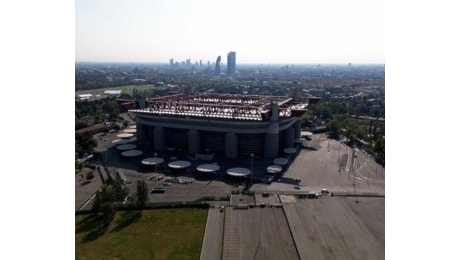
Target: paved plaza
{"type": "Point", "coordinates": [346, 223]}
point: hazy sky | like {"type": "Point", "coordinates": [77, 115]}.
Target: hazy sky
{"type": "Point", "coordinates": [287, 31]}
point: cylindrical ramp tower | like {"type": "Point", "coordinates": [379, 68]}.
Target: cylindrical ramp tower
{"type": "Point", "coordinates": [271, 140]}
{"type": "Point", "coordinates": [289, 138]}
{"type": "Point", "coordinates": [142, 133]}
{"type": "Point", "coordinates": [271, 145]}
{"type": "Point", "coordinates": [141, 103]}
{"type": "Point", "coordinates": [297, 129]}
{"type": "Point", "coordinates": [193, 141]}
{"type": "Point", "coordinates": [231, 145]}
{"type": "Point", "coordinates": [272, 135]}
{"type": "Point", "coordinates": [159, 138]}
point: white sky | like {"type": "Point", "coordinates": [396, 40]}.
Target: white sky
{"type": "Point", "coordinates": [327, 31]}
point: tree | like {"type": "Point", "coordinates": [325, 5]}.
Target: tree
{"type": "Point", "coordinates": [119, 188]}
{"type": "Point", "coordinates": [125, 96]}
{"type": "Point", "coordinates": [107, 213]}
{"type": "Point", "coordinates": [104, 195]}
{"type": "Point", "coordinates": [78, 165]}
{"type": "Point", "coordinates": [335, 127]}
{"type": "Point", "coordinates": [379, 147]}
{"type": "Point", "coordinates": [142, 194]}
{"type": "Point", "coordinates": [305, 117]}
{"type": "Point", "coordinates": [84, 143]}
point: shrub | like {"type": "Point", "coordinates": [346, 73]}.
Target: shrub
{"type": "Point", "coordinates": [89, 175]}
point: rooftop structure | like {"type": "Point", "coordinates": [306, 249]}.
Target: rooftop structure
{"type": "Point", "coordinates": [221, 106]}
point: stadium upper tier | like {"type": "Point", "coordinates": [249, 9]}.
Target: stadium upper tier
{"type": "Point", "coordinates": [223, 106]}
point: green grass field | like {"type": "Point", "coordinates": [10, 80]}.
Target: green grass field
{"type": "Point", "coordinates": [124, 89]}
{"type": "Point", "coordinates": [152, 234]}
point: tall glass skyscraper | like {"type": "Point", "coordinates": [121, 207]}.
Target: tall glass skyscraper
{"type": "Point", "coordinates": [231, 62]}
{"type": "Point", "coordinates": [217, 69]}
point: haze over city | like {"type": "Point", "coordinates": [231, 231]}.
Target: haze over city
{"type": "Point", "coordinates": [259, 31]}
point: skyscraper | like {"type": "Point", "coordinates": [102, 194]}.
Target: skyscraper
{"type": "Point", "coordinates": [231, 62]}
{"type": "Point", "coordinates": [217, 70]}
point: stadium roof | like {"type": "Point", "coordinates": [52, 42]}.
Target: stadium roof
{"type": "Point", "coordinates": [223, 106]}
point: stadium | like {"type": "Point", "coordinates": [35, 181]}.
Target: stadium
{"type": "Point", "coordinates": [229, 125]}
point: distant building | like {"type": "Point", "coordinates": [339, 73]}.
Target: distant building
{"type": "Point", "coordinates": [217, 69]}
{"type": "Point", "coordinates": [231, 63]}
{"type": "Point", "coordinates": [171, 63]}
{"type": "Point", "coordinates": [91, 129]}
{"type": "Point", "coordinates": [112, 92]}
{"type": "Point", "coordinates": [85, 96]}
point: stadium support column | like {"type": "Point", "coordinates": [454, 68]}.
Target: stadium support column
{"type": "Point", "coordinates": [271, 136]}
{"type": "Point", "coordinates": [142, 133]}
{"type": "Point", "coordinates": [231, 145]}
{"type": "Point", "coordinates": [159, 138]}
{"type": "Point", "coordinates": [297, 129]}
{"type": "Point", "coordinates": [193, 141]}
{"type": "Point", "coordinates": [289, 138]}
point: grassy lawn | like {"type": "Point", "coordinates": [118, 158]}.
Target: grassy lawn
{"type": "Point", "coordinates": [152, 234]}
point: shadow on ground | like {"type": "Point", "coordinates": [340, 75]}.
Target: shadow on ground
{"type": "Point", "coordinates": [309, 148]}
{"type": "Point", "coordinates": [93, 225]}
{"type": "Point", "coordinates": [90, 222]}
{"type": "Point", "coordinates": [128, 218]}
{"type": "Point", "coordinates": [95, 234]}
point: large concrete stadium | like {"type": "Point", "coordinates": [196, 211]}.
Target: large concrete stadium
{"type": "Point", "coordinates": [231, 125]}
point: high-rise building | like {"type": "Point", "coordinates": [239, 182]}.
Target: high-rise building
{"type": "Point", "coordinates": [217, 69]}
{"type": "Point", "coordinates": [171, 63]}
{"type": "Point", "coordinates": [231, 62]}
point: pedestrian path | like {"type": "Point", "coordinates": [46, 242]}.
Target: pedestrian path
{"type": "Point", "coordinates": [212, 241]}
{"type": "Point", "coordinates": [232, 235]}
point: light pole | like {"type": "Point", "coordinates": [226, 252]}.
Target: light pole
{"type": "Point", "coordinates": [252, 168]}
{"type": "Point", "coordinates": [156, 164]}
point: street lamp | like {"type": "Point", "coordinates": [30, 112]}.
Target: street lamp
{"type": "Point", "coordinates": [252, 168]}
{"type": "Point", "coordinates": [156, 165]}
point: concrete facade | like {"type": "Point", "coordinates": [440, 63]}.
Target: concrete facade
{"type": "Point", "coordinates": [263, 130]}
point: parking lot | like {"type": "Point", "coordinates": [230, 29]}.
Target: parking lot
{"type": "Point", "coordinates": [318, 166]}
{"type": "Point", "coordinates": [338, 227]}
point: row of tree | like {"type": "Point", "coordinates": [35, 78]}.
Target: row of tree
{"type": "Point", "coordinates": [368, 131]}
{"type": "Point", "coordinates": [98, 110]}
{"type": "Point", "coordinates": [84, 144]}
{"type": "Point", "coordinates": [342, 126]}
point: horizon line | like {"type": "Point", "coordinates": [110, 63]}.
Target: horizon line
{"type": "Point", "coordinates": [247, 63]}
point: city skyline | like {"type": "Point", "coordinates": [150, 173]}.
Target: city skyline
{"type": "Point", "coordinates": [231, 62]}
{"type": "Point", "coordinates": [294, 32]}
